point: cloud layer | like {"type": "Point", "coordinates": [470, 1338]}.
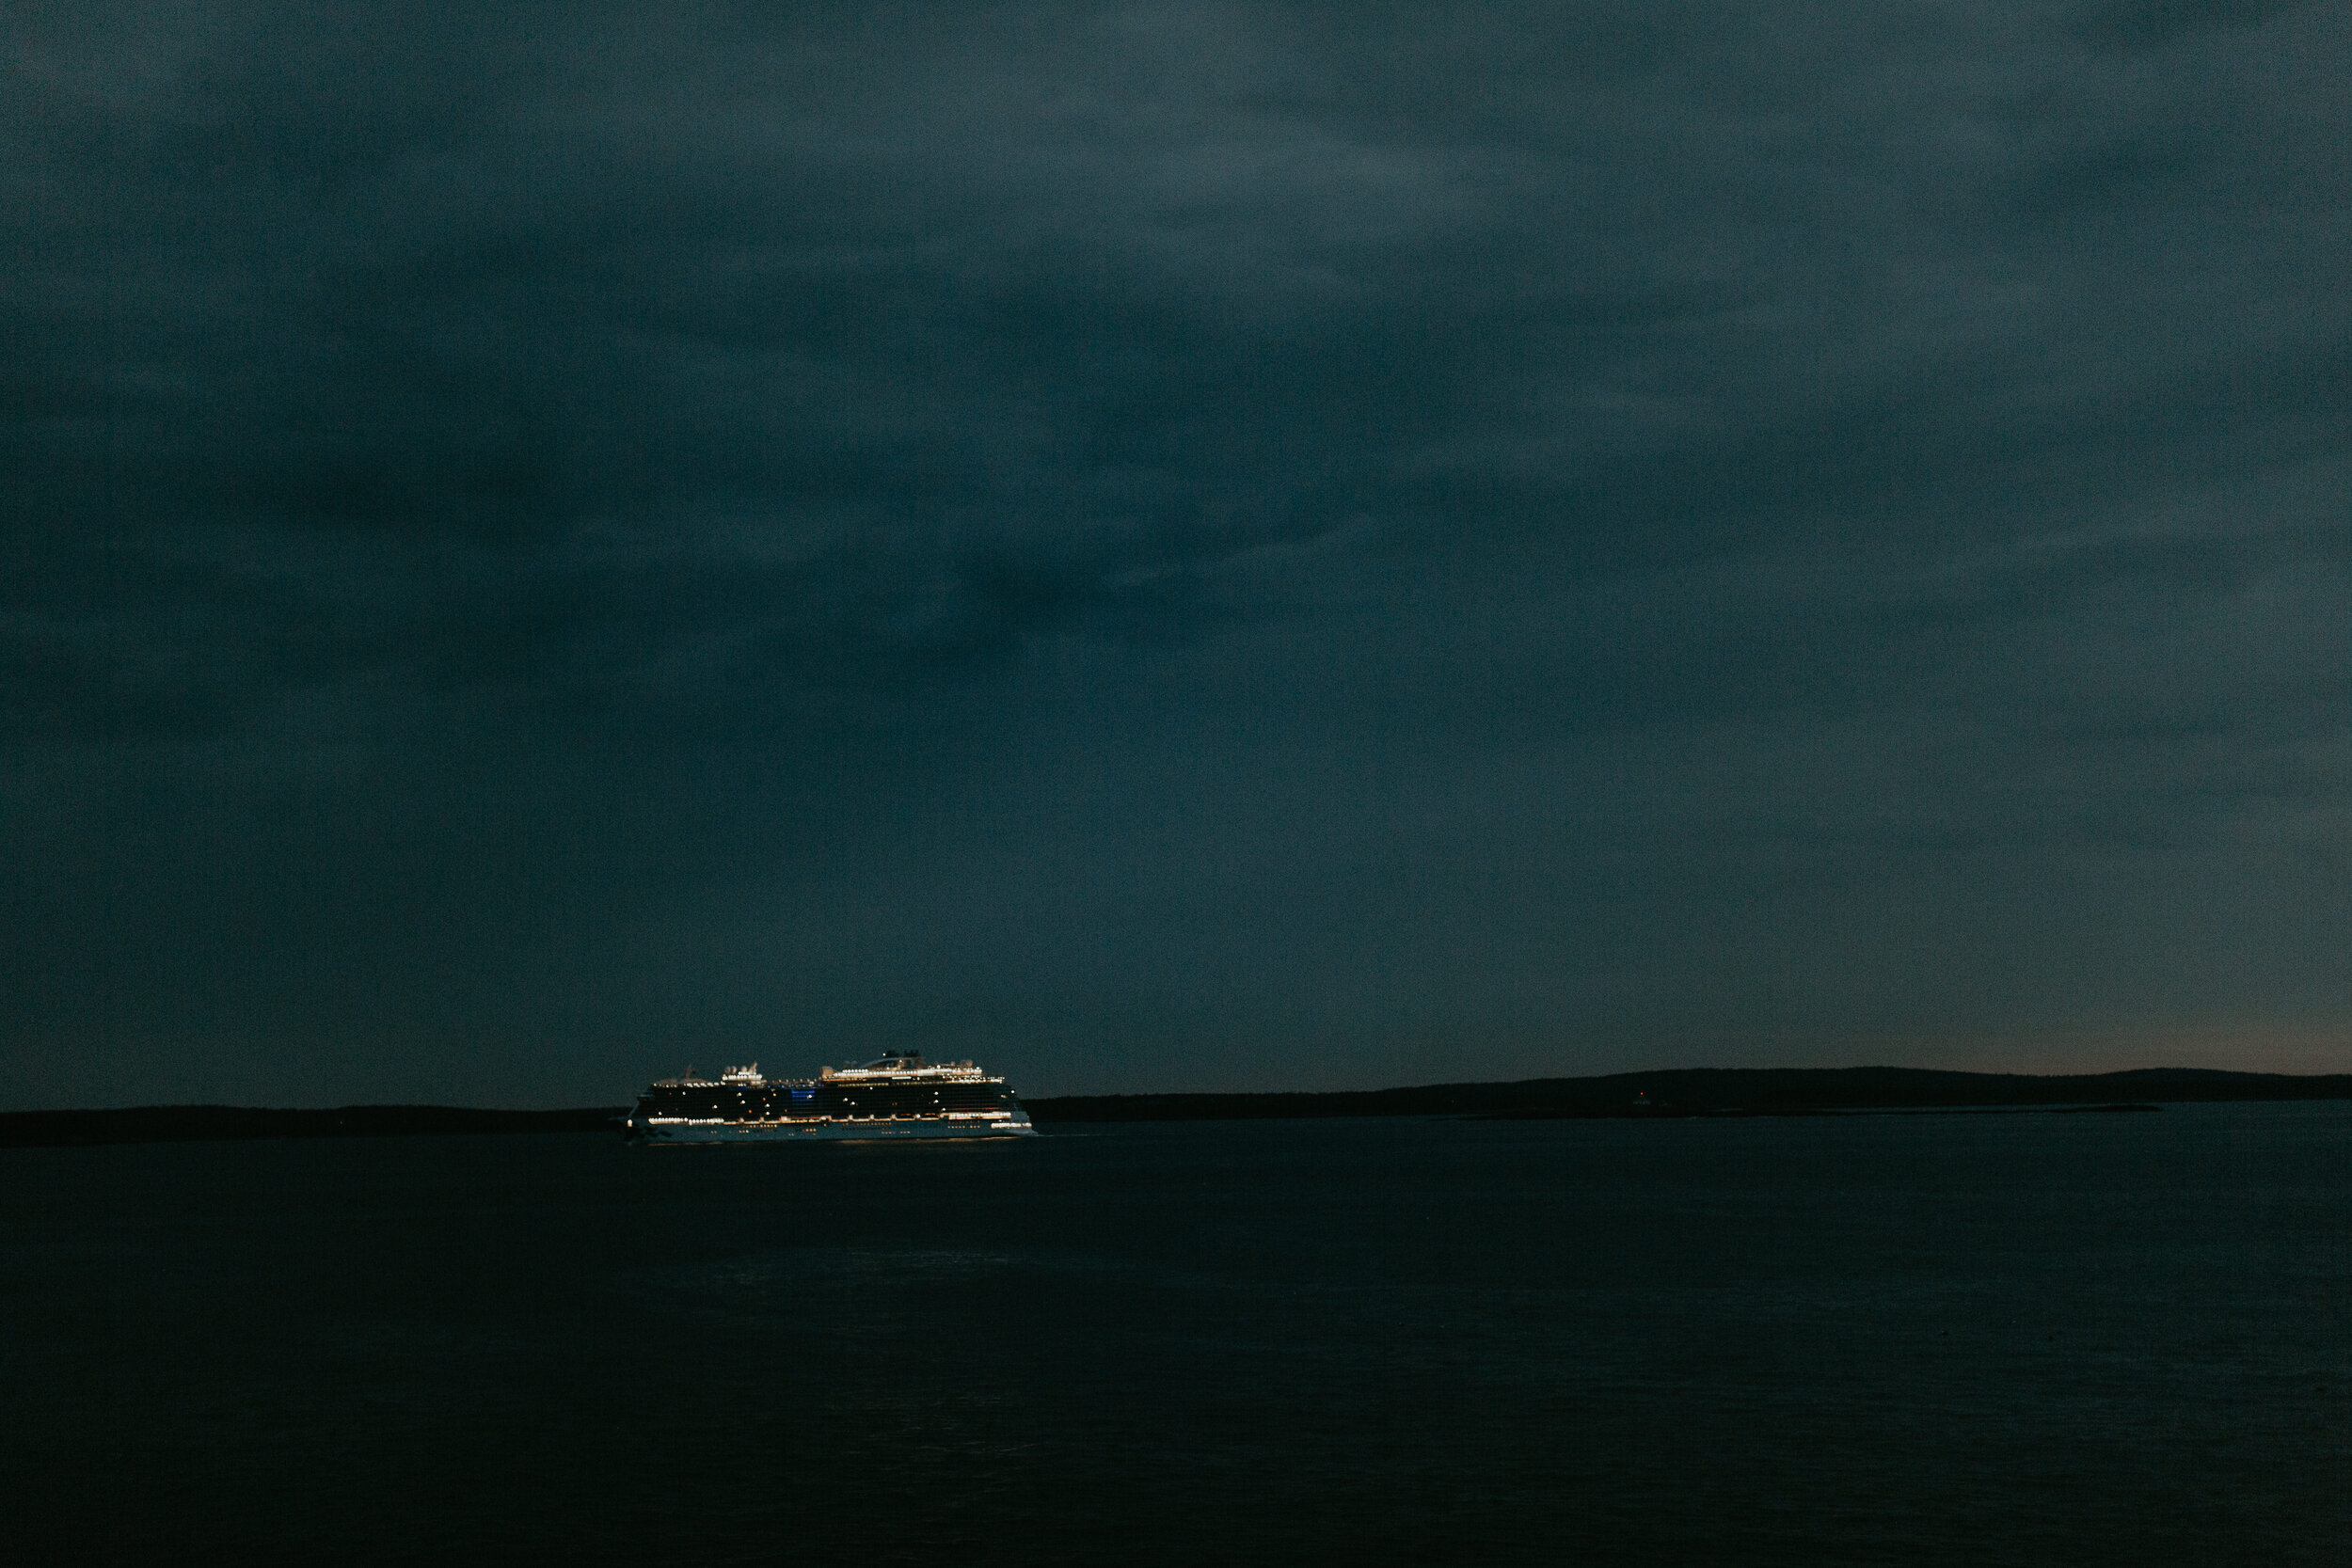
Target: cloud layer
{"type": "Point", "coordinates": [1252, 545]}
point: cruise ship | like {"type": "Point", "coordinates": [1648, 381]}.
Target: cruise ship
{"type": "Point", "coordinates": [899, 1096]}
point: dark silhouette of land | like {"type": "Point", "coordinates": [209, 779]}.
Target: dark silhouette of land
{"type": "Point", "coordinates": [1679, 1093]}
{"type": "Point", "coordinates": [187, 1123]}
{"type": "Point", "coordinates": [1724, 1092]}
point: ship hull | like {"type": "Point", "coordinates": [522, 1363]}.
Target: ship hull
{"type": "Point", "coordinates": [862, 1129]}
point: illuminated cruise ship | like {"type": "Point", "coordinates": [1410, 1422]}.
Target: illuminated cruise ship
{"type": "Point", "coordinates": [900, 1096]}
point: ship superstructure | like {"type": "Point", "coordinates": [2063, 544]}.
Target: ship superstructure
{"type": "Point", "coordinates": [898, 1096]}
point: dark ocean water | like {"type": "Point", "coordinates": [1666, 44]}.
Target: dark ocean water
{"type": "Point", "coordinates": [2036, 1338]}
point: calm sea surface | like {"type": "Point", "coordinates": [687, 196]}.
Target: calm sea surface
{"type": "Point", "coordinates": [2036, 1338]}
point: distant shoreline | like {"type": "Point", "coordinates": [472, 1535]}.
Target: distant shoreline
{"type": "Point", "coordinates": [1687, 1092]}
{"type": "Point", "coordinates": [152, 1124]}
{"type": "Point", "coordinates": [1676, 1095]}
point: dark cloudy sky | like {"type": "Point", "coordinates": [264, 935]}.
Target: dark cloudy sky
{"type": "Point", "coordinates": [1169, 546]}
